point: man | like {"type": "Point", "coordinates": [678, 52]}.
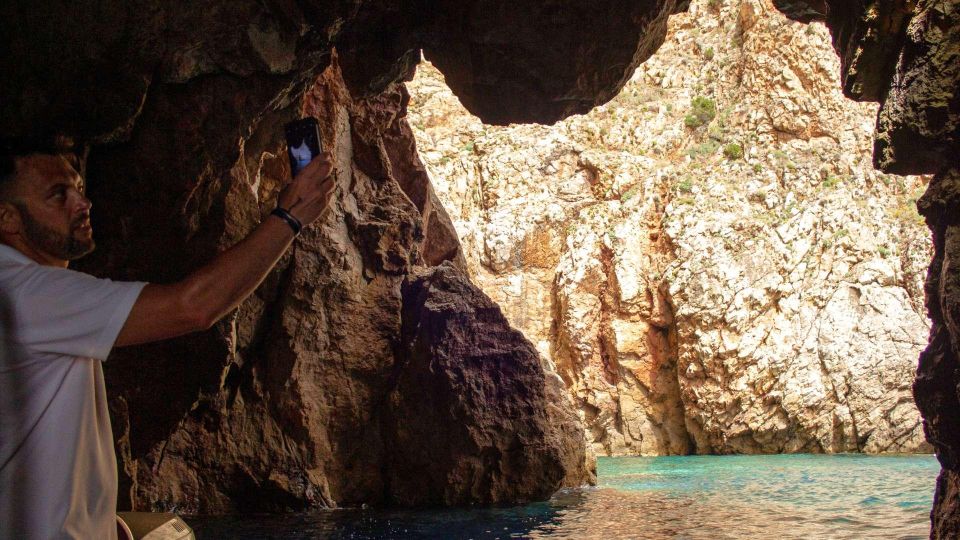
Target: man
{"type": "Point", "coordinates": [58, 475]}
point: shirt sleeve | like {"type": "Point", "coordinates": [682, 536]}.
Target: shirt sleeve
{"type": "Point", "coordinates": [71, 313]}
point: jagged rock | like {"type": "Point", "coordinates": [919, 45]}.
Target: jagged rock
{"type": "Point", "coordinates": [184, 106]}
{"type": "Point", "coordinates": [938, 377]}
{"type": "Point", "coordinates": [199, 93]}
{"type": "Point", "coordinates": [510, 61]}
{"type": "Point", "coordinates": [866, 34]}
{"type": "Point", "coordinates": [528, 62]}
{"type": "Point", "coordinates": [918, 130]}
{"type": "Point", "coordinates": [695, 301]}
{"type": "Point", "coordinates": [472, 416]}
{"type": "Point", "coordinates": [905, 55]}
{"type": "Point", "coordinates": [285, 404]}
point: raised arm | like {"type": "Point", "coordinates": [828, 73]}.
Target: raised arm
{"type": "Point", "coordinates": [209, 293]}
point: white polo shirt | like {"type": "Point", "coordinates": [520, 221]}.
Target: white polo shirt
{"type": "Point", "coordinates": [58, 470]}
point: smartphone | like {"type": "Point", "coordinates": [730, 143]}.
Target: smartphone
{"type": "Point", "coordinates": [303, 143]}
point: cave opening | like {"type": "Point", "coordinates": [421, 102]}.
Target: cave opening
{"type": "Point", "coordinates": [369, 369]}
{"type": "Point", "coordinates": [709, 261]}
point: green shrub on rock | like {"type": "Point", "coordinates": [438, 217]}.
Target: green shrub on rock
{"type": "Point", "coordinates": [702, 111]}
{"type": "Point", "coordinates": [733, 151]}
{"type": "Point", "coordinates": [704, 149]}
{"type": "Point", "coordinates": [832, 181]}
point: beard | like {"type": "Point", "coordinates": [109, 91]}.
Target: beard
{"type": "Point", "coordinates": [62, 246]}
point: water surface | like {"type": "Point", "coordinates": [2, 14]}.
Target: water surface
{"type": "Point", "coordinates": [689, 497]}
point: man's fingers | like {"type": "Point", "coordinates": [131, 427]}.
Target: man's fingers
{"type": "Point", "coordinates": [323, 185]}
{"type": "Point", "coordinates": [311, 192]}
{"type": "Point", "coordinates": [316, 162]}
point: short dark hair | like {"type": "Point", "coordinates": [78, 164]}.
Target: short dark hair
{"type": "Point", "coordinates": [12, 148]}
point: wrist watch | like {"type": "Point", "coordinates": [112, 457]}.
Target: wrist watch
{"type": "Point", "coordinates": [285, 215]}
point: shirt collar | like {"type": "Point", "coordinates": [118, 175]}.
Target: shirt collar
{"type": "Point", "coordinates": [11, 254]}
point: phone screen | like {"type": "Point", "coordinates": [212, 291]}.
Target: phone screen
{"type": "Point", "coordinates": [303, 143]}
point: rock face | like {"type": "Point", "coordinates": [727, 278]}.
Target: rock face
{"type": "Point", "coordinates": [293, 401]}
{"type": "Point", "coordinates": [472, 414]}
{"type": "Point", "coordinates": [281, 405]}
{"type": "Point", "coordinates": [494, 52]}
{"type": "Point", "coordinates": [709, 260]}
{"type": "Point", "coordinates": [906, 55]}
{"type": "Point", "coordinates": [182, 105]}
{"type": "Point", "coordinates": [937, 378]}
{"type": "Point", "coordinates": [512, 61]}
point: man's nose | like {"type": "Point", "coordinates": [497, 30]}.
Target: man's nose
{"type": "Point", "coordinates": [84, 204]}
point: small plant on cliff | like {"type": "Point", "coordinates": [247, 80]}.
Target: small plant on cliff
{"type": "Point", "coordinates": [708, 54]}
{"type": "Point", "coordinates": [702, 111]}
{"type": "Point", "coordinates": [630, 193]}
{"type": "Point", "coordinates": [884, 251]}
{"type": "Point", "coordinates": [706, 148]}
{"type": "Point", "coordinates": [906, 212]}
{"type": "Point", "coordinates": [685, 185]}
{"type": "Point", "coordinates": [832, 181]}
{"type": "Point", "coordinates": [612, 234]}
{"type": "Point", "coordinates": [733, 151]}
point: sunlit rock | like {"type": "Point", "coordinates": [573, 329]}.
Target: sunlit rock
{"type": "Point", "coordinates": [738, 281]}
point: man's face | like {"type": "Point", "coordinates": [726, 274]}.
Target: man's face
{"type": "Point", "coordinates": [54, 213]}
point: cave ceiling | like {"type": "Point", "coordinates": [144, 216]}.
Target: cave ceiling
{"type": "Point", "coordinates": [87, 68]}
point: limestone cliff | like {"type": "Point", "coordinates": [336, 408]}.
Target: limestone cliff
{"type": "Point", "coordinates": [709, 260]}
{"type": "Point", "coordinates": [906, 56]}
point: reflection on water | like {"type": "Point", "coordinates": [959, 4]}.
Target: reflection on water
{"type": "Point", "coordinates": [693, 497]}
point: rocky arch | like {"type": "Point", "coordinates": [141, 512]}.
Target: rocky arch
{"type": "Point", "coordinates": [180, 106]}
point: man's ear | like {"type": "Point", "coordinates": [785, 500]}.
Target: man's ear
{"type": "Point", "coordinates": [9, 218]}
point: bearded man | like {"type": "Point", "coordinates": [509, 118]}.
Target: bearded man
{"type": "Point", "coordinates": [58, 470]}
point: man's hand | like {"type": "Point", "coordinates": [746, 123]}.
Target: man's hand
{"type": "Point", "coordinates": [309, 194]}
{"type": "Point", "coordinates": [210, 292]}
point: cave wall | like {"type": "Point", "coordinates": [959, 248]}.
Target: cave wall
{"type": "Point", "coordinates": [906, 55]}
{"type": "Point", "coordinates": [182, 106]}
{"type": "Point", "coordinates": [283, 404]}
{"type": "Point", "coordinates": [289, 402]}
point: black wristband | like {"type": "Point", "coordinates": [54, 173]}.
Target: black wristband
{"type": "Point", "coordinates": [293, 222]}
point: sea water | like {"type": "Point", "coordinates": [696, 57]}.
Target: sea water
{"type": "Point", "coordinates": [690, 497]}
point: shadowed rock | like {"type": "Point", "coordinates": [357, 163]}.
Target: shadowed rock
{"type": "Point", "coordinates": [184, 105]}
{"type": "Point", "coordinates": [906, 56]}
{"type": "Point", "coordinates": [938, 382]}
{"type": "Point", "coordinates": [473, 416]}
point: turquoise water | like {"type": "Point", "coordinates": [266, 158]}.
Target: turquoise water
{"type": "Point", "coordinates": [689, 497]}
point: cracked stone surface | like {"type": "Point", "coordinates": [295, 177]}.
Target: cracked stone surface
{"type": "Point", "coordinates": [223, 76]}
{"type": "Point", "coordinates": [284, 404]}
{"type": "Point", "coordinates": [906, 55]}
{"type": "Point", "coordinates": [693, 300]}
